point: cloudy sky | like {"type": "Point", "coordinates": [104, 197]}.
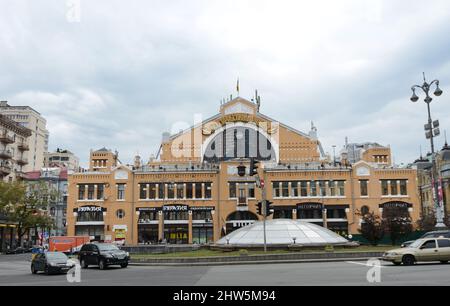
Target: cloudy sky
{"type": "Point", "coordinates": [122, 72]}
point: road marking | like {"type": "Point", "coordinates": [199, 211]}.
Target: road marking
{"type": "Point", "coordinates": [365, 264]}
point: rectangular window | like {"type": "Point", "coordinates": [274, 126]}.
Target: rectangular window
{"type": "Point", "coordinates": [341, 188]}
{"type": "Point", "coordinates": [276, 189]}
{"type": "Point", "coordinates": [285, 189]}
{"type": "Point", "coordinates": [363, 185]}
{"type": "Point", "coordinates": [189, 191]}
{"type": "Point", "coordinates": [180, 191]}
{"type": "Point", "coordinates": [81, 191]}
{"type": "Point", "coordinates": [394, 189]}
{"type": "Point", "coordinates": [208, 190]}
{"type": "Point", "coordinates": [91, 189]}
{"type": "Point", "coordinates": [121, 192]}
{"type": "Point", "coordinates": [304, 189]}
{"type": "Point", "coordinates": [403, 187]}
{"type": "Point", "coordinates": [142, 191]}
{"type": "Point", "coordinates": [313, 192]}
{"type": "Point", "coordinates": [152, 191]}
{"type": "Point", "coordinates": [332, 187]}
{"type": "Point", "coordinates": [232, 190]}
{"type": "Point", "coordinates": [251, 190]}
{"type": "Point", "coordinates": [294, 189]}
{"type": "Point", "coordinates": [198, 190]}
{"type": "Point", "coordinates": [100, 191]}
{"type": "Point", "coordinates": [242, 191]}
{"type": "Point", "coordinates": [323, 190]}
{"type": "Point", "coordinates": [384, 188]}
{"type": "Point", "coordinates": [162, 191]}
{"type": "Point", "coordinates": [170, 191]}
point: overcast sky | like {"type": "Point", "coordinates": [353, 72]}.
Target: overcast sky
{"type": "Point", "coordinates": [126, 71]}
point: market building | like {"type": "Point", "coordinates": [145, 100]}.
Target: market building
{"type": "Point", "coordinates": [192, 193]}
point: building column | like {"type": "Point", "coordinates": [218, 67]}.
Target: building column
{"type": "Point", "coordinates": [95, 191]}
{"type": "Point", "coordinates": [216, 226]}
{"type": "Point", "coordinates": [161, 226]}
{"type": "Point", "coordinates": [157, 192]}
{"type": "Point", "coordinates": [294, 214]}
{"type": "Point", "coordinates": [147, 192]}
{"type": "Point", "coordinates": [190, 227]}
{"type": "Point", "coordinates": [324, 217]}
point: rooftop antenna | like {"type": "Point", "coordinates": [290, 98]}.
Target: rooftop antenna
{"type": "Point", "coordinates": [258, 99]}
{"type": "Point", "coordinates": [421, 156]}
{"type": "Point", "coordinates": [424, 78]}
{"type": "Point", "coordinates": [445, 135]}
{"type": "Point", "coordinates": [237, 87]}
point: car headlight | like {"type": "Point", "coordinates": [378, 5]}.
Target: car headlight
{"type": "Point", "coordinates": [109, 255]}
{"type": "Point", "coordinates": [52, 264]}
{"type": "Point", "coordinates": [128, 254]}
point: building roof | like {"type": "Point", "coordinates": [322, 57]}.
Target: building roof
{"type": "Point", "coordinates": [283, 232]}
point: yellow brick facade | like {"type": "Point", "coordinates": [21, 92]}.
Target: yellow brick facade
{"type": "Point", "coordinates": [189, 197]}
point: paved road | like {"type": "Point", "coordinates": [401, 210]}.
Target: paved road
{"type": "Point", "coordinates": [15, 270]}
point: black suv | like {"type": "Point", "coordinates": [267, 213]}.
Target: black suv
{"type": "Point", "coordinates": [102, 255]}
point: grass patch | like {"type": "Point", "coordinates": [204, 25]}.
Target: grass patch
{"type": "Point", "coordinates": [215, 253]}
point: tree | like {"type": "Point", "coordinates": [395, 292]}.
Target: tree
{"type": "Point", "coordinates": [372, 227]}
{"type": "Point", "coordinates": [26, 205]}
{"type": "Point", "coordinates": [427, 222]}
{"type": "Point", "coordinates": [397, 223]}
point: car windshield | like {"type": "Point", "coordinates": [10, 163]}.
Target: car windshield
{"type": "Point", "coordinates": [416, 244]}
{"type": "Point", "coordinates": [56, 256]}
{"type": "Point", "coordinates": [107, 247]}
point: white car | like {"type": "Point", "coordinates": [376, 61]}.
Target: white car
{"type": "Point", "coordinates": [427, 249]}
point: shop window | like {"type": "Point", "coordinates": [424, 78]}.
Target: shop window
{"type": "Point", "coordinates": [198, 191]}
{"type": "Point", "coordinates": [201, 215]}
{"type": "Point", "coordinates": [176, 215]}
{"type": "Point", "coordinates": [251, 190]}
{"type": "Point", "coordinates": [147, 216]}
{"type": "Point", "coordinates": [100, 191]}
{"type": "Point", "coordinates": [282, 214]}
{"type": "Point", "coordinates": [341, 188]}
{"type": "Point", "coordinates": [161, 191]}
{"type": "Point", "coordinates": [323, 190]}
{"type": "Point", "coordinates": [332, 187]}
{"type": "Point", "coordinates": [313, 189]}
{"type": "Point", "coordinates": [276, 189]}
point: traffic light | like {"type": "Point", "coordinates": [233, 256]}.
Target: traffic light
{"type": "Point", "coordinates": [259, 208]}
{"type": "Point", "coordinates": [253, 167]}
{"type": "Point", "coordinates": [269, 208]}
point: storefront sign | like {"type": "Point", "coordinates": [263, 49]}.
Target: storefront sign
{"type": "Point", "coordinates": [309, 206]}
{"type": "Point", "coordinates": [395, 205]}
{"type": "Point", "coordinates": [148, 209]}
{"type": "Point", "coordinates": [89, 209]}
{"type": "Point", "coordinates": [176, 208]}
{"type": "Point", "coordinates": [202, 208]}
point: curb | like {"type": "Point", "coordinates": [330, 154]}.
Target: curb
{"type": "Point", "coordinates": [247, 261]}
{"type": "Point", "coordinates": [236, 263]}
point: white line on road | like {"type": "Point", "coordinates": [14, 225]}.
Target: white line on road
{"type": "Point", "coordinates": [365, 264]}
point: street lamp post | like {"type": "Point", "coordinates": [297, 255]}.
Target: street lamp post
{"type": "Point", "coordinates": [432, 130]}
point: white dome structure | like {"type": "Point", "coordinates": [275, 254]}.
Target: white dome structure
{"type": "Point", "coordinates": [283, 232]}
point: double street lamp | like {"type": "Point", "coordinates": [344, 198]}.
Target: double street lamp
{"type": "Point", "coordinates": [432, 130]}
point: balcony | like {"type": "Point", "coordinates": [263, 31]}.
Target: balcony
{"type": "Point", "coordinates": [22, 161]}
{"type": "Point", "coordinates": [5, 138]}
{"type": "Point", "coordinates": [5, 169]}
{"type": "Point", "coordinates": [20, 175]}
{"type": "Point", "coordinates": [5, 154]}
{"type": "Point", "coordinates": [22, 146]}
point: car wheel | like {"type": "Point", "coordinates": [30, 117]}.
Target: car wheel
{"type": "Point", "coordinates": [102, 264]}
{"type": "Point", "coordinates": [444, 262]}
{"type": "Point", "coordinates": [408, 260]}
{"type": "Point", "coordinates": [83, 264]}
{"type": "Point", "coordinates": [33, 269]}
{"type": "Point", "coordinates": [124, 265]}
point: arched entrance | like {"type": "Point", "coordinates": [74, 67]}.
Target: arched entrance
{"type": "Point", "coordinates": [239, 219]}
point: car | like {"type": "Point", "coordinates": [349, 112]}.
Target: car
{"type": "Point", "coordinates": [421, 250]}
{"type": "Point", "coordinates": [434, 234]}
{"type": "Point", "coordinates": [102, 255]}
{"type": "Point", "coordinates": [51, 262]}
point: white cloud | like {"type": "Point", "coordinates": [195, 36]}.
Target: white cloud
{"type": "Point", "coordinates": [127, 71]}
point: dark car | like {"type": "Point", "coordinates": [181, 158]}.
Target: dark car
{"type": "Point", "coordinates": [51, 262]}
{"type": "Point", "coordinates": [102, 255]}
{"type": "Point", "coordinates": [434, 234]}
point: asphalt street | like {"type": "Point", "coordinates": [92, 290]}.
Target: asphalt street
{"type": "Point", "coordinates": [15, 271]}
